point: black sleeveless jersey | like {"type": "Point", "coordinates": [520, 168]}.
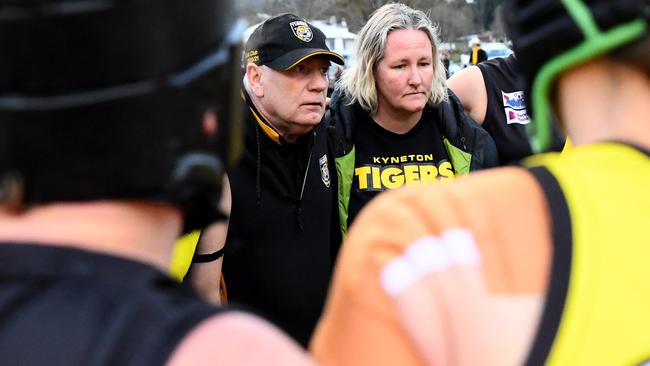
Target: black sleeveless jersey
{"type": "Point", "coordinates": [62, 306]}
{"type": "Point", "coordinates": [506, 116]}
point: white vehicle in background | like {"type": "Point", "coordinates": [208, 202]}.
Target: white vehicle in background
{"type": "Point", "coordinates": [496, 49]}
{"type": "Point", "coordinates": [493, 50]}
{"type": "Point", "coordinates": [453, 67]}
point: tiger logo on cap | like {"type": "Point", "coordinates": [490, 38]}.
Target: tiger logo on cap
{"type": "Point", "coordinates": [301, 30]}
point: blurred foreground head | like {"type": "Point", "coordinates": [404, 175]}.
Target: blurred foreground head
{"type": "Point", "coordinates": [552, 36]}
{"type": "Point", "coordinates": [118, 100]}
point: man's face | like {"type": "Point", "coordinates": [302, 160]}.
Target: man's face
{"type": "Point", "coordinates": [404, 76]}
{"type": "Point", "coordinates": [294, 99]}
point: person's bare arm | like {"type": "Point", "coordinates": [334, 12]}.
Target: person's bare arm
{"type": "Point", "coordinates": [469, 86]}
{"type": "Point", "coordinates": [427, 275]}
{"type": "Point", "coordinates": [237, 338]}
{"type": "Point", "coordinates": [205, 278]}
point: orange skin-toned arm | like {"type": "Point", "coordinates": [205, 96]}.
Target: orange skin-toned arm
{"type": "Point", "coordinates": [482, 311]}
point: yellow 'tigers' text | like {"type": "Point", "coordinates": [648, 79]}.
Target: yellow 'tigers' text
{"type": "Point", "coordinates": [380, 178]}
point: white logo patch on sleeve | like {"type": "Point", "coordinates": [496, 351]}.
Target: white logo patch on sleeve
{"type": "Point", "coordinates": [514, 106]}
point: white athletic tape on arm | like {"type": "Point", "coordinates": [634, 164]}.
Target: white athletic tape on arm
{"type": "Point", "coordinates": [397, 275]}
{"type": "Point", "coordinates": [461, 246]}
{"type": "Point", "coordinates": [427, 255]}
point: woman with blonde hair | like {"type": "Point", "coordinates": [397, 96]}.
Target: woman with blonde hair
{"type": "Point", "coordinates": [393, 122]}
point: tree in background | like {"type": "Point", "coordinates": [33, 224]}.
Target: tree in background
{"type": "Point", "coordinates": [498, 26]}
{"type": "Point", "coordinates": [487, 12]}
{"type": "Point", "coordinates": [455, 18]}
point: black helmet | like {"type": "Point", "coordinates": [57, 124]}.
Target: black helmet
{"type": "Point", "coordinates": [551, 36]}
{"type": "Point", "coordinates": [104, 99]}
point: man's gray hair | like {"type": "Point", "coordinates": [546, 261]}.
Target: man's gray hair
{"type": "Point", "coordinates": [358, 81]}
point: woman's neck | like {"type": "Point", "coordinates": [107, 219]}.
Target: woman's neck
{"type": "Point", "coordinates": [140, 231]}
{"type": "Point", "coordinates": [397, 122]}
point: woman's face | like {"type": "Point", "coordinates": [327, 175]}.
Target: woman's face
{"type": "Point", "coordinates": [404, 76]}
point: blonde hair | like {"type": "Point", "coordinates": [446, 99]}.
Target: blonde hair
{"type": "Point", "coordinates": [358, 82]}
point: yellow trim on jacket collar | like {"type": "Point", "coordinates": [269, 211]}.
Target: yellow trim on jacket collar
{"type": "Point", "coordinates": [264, 125]}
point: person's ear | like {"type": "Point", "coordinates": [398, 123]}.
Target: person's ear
{"type": "Point", "coordinates": [254, 74]}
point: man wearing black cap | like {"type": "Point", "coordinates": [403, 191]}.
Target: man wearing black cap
{"type": "Point", "coordinates": [282, 240]}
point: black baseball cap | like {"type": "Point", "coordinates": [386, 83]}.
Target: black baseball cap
{"type": "Point", "coordinates": [285, 40]}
